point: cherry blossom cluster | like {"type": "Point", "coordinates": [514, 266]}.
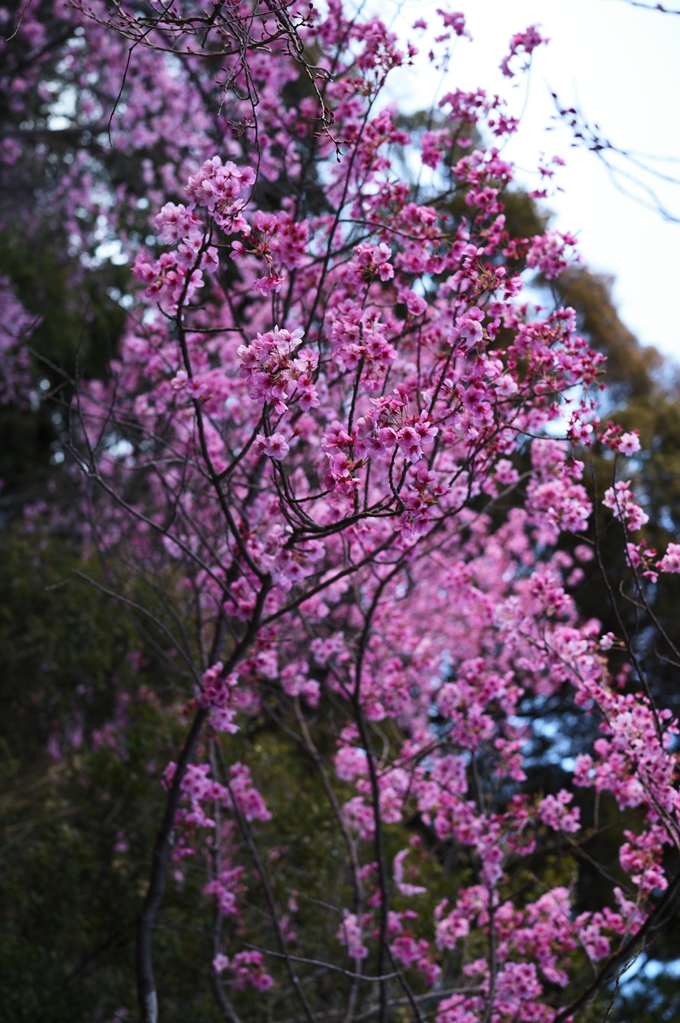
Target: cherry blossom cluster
{"type": "Point", "coordinates": [671, 559]}
{"type": "Point", "coordinates": [337, 424]}
{"type": "Point", "coordinates": [621, 500]}
{"type": "Point", "coordinates": [614, 438]}
{"type": "Point", "coordinates": [16, 328]}
{"type": "Point", "coordinates": [551, 253]}
{"type": "Point", "coordinates": [246, 968]}
{"type": "Point", "coordinates": [522, 42]}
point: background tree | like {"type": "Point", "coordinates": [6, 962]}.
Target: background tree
{"type": "Point", "coordinates": [292, 719]}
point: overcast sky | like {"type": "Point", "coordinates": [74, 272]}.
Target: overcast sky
{"type": "Point", "coordinates": [621, 66]}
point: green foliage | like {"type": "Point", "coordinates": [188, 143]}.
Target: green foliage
{"type": "Point", "coordinates": [83, 738]}
{"type": "Point", "coordinates": [80, 322]}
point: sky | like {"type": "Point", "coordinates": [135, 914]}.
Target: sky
{"type": "Point", "coordinates": [621, 66]}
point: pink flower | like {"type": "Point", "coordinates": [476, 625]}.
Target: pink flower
{"type": "Point", "coordinates": [526, 41]}
{"type": "Point", "coordinates": [553, 811]}
{"type": "Point", "coordinates": [551, 253]}
{"type": "Point", "coordinates": [398, 867]}
{"type": "Point", "coordinates": [629, 443]}
{"type": "Point", "coordinates": [518, 982]}
{"type": "Point", "coordinates": [265, 285]}
{"type": "Point", "coordinates": [621, 500]}
{"type": "Point", "coordinates": [276, 446]}
{"type": "Point", "coordinates": [414, 303]}
{"type": "Point", "coordinates": [349, 935]}
{"type": "Point", "coordinates": [220, 963]}
{"type": "Point", "coordinates": [671, 559]}
{"type": "Point", "coordinates": [506, 474]}
{"type": "Point", "coordinates": [456, 21]}
{"type": "Point", "coordinates": [370, 260]}
{"type": "Point", "coordinates": [247, 967]}
{"type": "Point", "coordinates": [469, 328]}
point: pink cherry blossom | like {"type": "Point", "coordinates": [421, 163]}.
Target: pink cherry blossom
{"type": "Point", "coordinates": [340, 438]}
{"type": "Point", "coordinates": [671, 559]}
